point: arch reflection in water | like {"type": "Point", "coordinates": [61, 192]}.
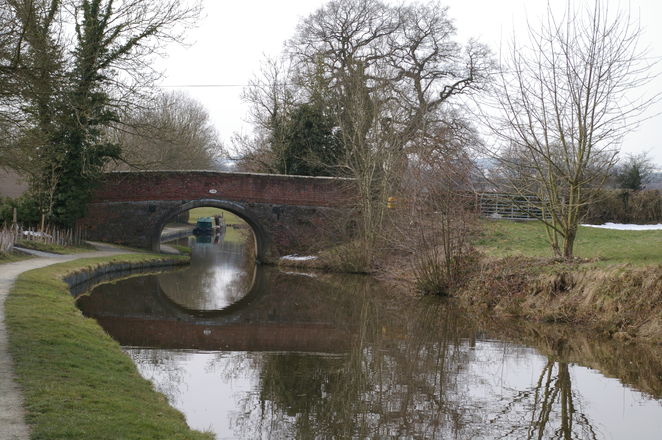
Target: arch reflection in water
{"type": "Point", "coordinates": [219, 275]}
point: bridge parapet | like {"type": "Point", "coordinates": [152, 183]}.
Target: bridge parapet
{"type": "Point", "coordinates": [242, 187]}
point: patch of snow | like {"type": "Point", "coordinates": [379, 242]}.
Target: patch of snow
{"type": "Point", "coordinates": [302, 274]}
{"type": "Point", "coordinates": [295, 257]}
{"type": "Point", "coordinates": [627, 227]}
{"type": "Point", "coordinates": [36, 234]}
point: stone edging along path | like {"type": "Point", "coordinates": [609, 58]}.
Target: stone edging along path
{"type": "Point", "coordinates": [12, 413]}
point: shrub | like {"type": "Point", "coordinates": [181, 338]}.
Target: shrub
{"type": "Point", "coordinates": [437, 275]}
{"type": "Point", "coordinates": [27, 210]}
{"type": "Point", "coordinates": [625, 206]}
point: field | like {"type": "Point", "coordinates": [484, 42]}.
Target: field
{"type": "Point", "coordinates": [506, 238]}
{"type": "Point", "coordinates": [229, 218]}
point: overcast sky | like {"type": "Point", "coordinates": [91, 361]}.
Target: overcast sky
{"type": "Point", "coordinates": [226, 48]}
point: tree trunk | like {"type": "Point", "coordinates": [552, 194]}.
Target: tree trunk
{"type": "Point", "coordinates": [569, 243]}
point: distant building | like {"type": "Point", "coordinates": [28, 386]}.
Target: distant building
{"type": "Point", "coordinates": [11, 183]}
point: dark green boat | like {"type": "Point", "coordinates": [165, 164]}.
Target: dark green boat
{"type": "Point", "coordinates": [203, 226]}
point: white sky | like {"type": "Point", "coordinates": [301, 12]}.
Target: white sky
{"type": "Point", "coordinates": [232, 38]}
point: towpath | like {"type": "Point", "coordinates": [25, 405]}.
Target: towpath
{"type": "Point", "coordinates": [12, 413]}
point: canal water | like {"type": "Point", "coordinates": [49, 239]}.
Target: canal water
{"type": "Point", "coordinates": [259, 352]}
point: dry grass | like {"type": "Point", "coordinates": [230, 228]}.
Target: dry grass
{"type": "Point", "coordinates": [622, 301]}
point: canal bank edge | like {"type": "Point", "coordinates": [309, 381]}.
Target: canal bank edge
{"type": "Point", "coordinates": [76, 380]}
{"type": "Point", "coordinates": [622, 301]}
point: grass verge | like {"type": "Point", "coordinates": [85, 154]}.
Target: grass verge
{"type": "Point", "coordinates": [78, 384]}
{"type": "Point", "coordinates": [10, 257]}
{"type": "Point", "coordinates": [52, 248]}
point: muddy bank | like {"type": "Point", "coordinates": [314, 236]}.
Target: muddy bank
{"type": "Point", "coordinates": [622, 302]}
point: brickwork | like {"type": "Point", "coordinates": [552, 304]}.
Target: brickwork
{"type": "Point", "coordinates": [241, 187]}
{"type": "Point", "coordinates": [287, 213]}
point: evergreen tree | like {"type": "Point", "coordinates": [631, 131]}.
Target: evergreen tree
{"type": "Point", "coordinates": [310, 147]}
{"type": "Point", "coordinates": [67, 98]}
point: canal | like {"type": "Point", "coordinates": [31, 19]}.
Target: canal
{"type": "Point", "coordinates": [260, 352]}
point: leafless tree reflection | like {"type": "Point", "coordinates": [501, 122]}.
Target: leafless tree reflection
{"type": "Point", "coordinates": [550, 409]}
{"type": "Point", "coordinates": [399, 379]}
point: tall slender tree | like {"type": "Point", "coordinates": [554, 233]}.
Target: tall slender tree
{"type": "Point", "coordinates": [566, 96]}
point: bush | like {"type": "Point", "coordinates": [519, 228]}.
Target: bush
{"type": "Point", "coordinates": [625, 206]}
{"type": "Point", "coordinates": [27, 210]}
{"type": "Point", "coordinates": [436, 275]}
{"type": "Point", "coordinates": [349, 257]}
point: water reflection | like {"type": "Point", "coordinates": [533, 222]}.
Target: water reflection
{"type": "Point", "coordinates": [339, 357]}
{"type": "Point", "coordinates": [220, 274]}
{"type": "Point", "coordinates": [550, 407]}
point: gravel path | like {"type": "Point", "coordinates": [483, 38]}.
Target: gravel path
{"type": "Point", "coordinates": [12, 414]}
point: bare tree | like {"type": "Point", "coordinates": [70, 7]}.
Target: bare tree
{"type": "Point", "coordinates": [565, 99]}
{"type": "Point", "coordinates": [386, 72]}
{"type": "Point", "coordinates": [435, 207]}
{"type": "Point", "coordinates": [172, 133]}
{"type": "Point", "coordinates": [270, 96]}
{"type": "Point", "coordinates": [10, 36]}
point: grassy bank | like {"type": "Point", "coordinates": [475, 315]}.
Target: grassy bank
{"type": "Point", "coordinates": [615, 288]}
{"type": "Point", "coordinates": [228, 217]}
{"type": "Point", "coordinates": [604, 246]}
{"type": "Point", "coordinates": [53, 248]}
{"type": "Point", "coordinates": [77, 382]}
{"type": "Point", "coordinates": [10, 257]}
{"type": "Point", "coordinates": [621, 301]}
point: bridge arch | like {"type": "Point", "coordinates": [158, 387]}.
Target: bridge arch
{"type": "Point", "coordinates": [262, 241]}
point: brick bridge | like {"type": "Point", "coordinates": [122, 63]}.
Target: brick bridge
{"type": "Point", "coordinates": [287, 213]}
